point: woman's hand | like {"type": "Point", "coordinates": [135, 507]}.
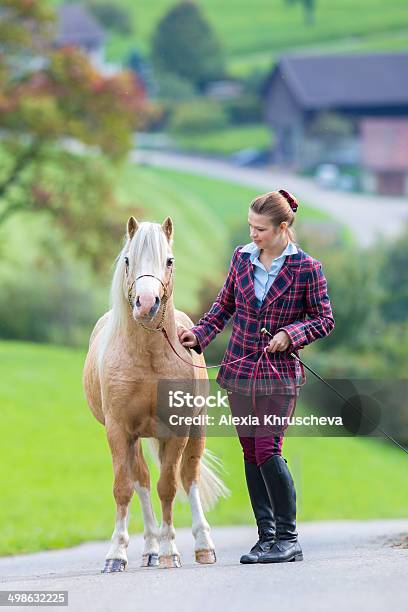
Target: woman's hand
{"type": "Point", "coordinates": [280, 342]}
{"type": "Point", "coordinates": [186, 337]}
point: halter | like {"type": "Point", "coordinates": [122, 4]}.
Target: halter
{"type": "Point", "coordinates": [164, 300]}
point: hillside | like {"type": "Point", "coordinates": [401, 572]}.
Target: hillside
{"type": "Point", "coordinates": [254, 32]}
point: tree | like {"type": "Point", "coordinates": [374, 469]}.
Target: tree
{"type": "Point", "coordinates": [112, 17]}
{"type": "Point", "coordinates": [184, 44]}
{"type": "Point", "coordinates": [59, 119]}
{"type": "Point", "coordinates": [309, 8]}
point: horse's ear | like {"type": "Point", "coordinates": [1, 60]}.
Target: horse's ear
{"type": "Point", "coordinates": [132, 227]}
{"type": "Point", "coordinates": [167, 227]}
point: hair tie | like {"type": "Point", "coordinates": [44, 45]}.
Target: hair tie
{"type": "Point", "coordinates": [291, 201]}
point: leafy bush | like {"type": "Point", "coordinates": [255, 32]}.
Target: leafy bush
{"type": "Point", "coordinates": [54, 309]}
{"type": "Point", "coordinates": [48, 294]}
{"type": "Point", "coordinates": [245, 109]}
{"type": "Point", "coordinates": [171, 87]}
{"type": "Point", "coordinates": [394, 274]}
{"type": "Point", "coordinates": [199, 116]}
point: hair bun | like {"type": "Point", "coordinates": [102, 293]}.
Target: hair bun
{"type": "Point", "coordinates": [291, 201]}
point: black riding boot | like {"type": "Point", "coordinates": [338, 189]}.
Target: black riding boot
{"type": "Point", "coordinates": [262, 507]}
{"type": "Point", "coordinates": [281, 489]}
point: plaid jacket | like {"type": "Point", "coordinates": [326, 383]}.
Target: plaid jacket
{"type": "Point", "coordinates": [297, 302]}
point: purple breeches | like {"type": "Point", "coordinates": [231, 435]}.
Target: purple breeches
{"type": "Point", "coordinates": [260, 441]}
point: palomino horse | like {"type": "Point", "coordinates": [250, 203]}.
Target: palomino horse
{"type": "Point", "coordinates": [128, 356]}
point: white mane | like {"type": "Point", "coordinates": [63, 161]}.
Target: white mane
{"type": "Point", "coordinates": [147, 253]}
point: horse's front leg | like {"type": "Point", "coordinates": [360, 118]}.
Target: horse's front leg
{"type": "Point", "coordinates": [190, 474]}
{"type": "Point", "coordinates": [151, 530]}
{"type": "Point", "coordinates": [170, 455]}
{"type": "Point", "coordinates": [121, 446]}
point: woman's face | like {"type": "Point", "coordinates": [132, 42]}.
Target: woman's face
{"type": "Point", "coordinates": [263, 233]}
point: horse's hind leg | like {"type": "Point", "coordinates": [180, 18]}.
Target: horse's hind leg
{"type": "Point", "coordinates": [151, 530]}
{"type": "Point", "coordinates": [121, 446]}
{"type": "Point", "coordinates": [190, 474]}
{"type": "Point", "coordinates": [170, 456]}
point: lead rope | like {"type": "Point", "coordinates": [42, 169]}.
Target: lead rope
{"type": "Point", "coordinates": [160, 328]}
{"type": "Point", "coordinates": [264, 352]}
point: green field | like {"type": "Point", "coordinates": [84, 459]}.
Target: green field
{"type": "Point", "coordinates": [252, 33]}
{"type": "Point", "coordinates": [228, 140]}
{"type": "Point", "coordinates": [56, 475]}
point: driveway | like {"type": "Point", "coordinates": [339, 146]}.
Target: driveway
{"type": "Point", "coordinates": [348, 565]}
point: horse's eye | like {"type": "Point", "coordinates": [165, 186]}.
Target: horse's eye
{"type": "Point", "coordinates": [170, 261]}
{"type": "Point", "coordinates": [127, 261]}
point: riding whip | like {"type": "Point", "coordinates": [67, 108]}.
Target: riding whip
{"type": "Point", "coordinates": [265, 331]}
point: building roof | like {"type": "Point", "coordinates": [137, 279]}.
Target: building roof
{"type": "Point", "coordinates": [346, 81]}
{"type": "Point", "coordinates": [78, 27]}
{"type": "Point", "coordinates": [385, 143]}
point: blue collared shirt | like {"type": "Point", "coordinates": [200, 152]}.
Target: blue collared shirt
{"type": "Point", "coordinates": [264, 278]}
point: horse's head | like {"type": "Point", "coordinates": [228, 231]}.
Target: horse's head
{"type": "Point", "coordinates": [148, 263]}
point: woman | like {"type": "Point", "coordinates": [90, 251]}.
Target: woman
{"type": "Point", "coordinates": [271, 284]}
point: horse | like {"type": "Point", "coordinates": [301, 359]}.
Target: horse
{"type": "Point", "coordinates": [127, 358]}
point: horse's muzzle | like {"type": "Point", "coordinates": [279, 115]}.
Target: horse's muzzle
{"type": "Point", "coordinates": [146, 308]}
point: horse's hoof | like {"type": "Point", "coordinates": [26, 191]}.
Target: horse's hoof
{"type": "Point", "coordinates": [205, 556]}
{"type": "Point", "coordinates": [169, 561]}
{"type": "Point", "coordinates": [114, 565]}
{"type": "Point", "coordinates": [150, 560]}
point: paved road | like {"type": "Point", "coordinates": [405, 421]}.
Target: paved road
{"type": "Point", "coordinates": [349, 565]}
{"type": "Point", "coordinates": [371, 216]}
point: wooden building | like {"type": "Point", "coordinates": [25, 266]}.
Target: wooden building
{"type": "Point", "coordinates": [357, 86]}
{"type": "Point", "coordinates": [385, 155]}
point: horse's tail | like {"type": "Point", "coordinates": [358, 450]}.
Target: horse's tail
{"type": "Point", "coordinates": [211, 486]}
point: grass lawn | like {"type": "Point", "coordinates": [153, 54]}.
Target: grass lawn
{"type": "Point", "coordinates": [228, 140]}
{"type": "Point", "coordinates": [56, 475]}
{"type": "Point", "coordinates": [250, 32]}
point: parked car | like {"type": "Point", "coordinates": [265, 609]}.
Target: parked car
{"type": "Point", "coordinates": [327, 176]}
{"type": "Point", "coordinates": [344, 177]}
